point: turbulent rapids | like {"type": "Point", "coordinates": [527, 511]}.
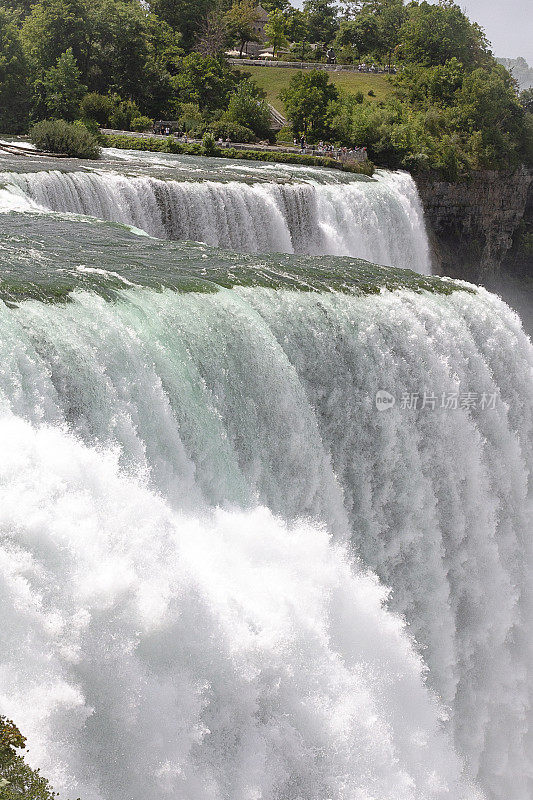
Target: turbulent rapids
{"type": "Point", "coordinates": [227, 570]}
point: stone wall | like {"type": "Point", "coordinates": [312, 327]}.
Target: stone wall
{"type": "Point", "coordinates": [473, 224]}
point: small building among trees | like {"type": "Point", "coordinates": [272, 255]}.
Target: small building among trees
{"type": "Point", "coordinates": [253, 48]}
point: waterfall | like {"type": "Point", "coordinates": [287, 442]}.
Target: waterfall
{"type": "Point", "coordinates": [379, 220]}
{"type": "Point", "coordinates": [265, 508]}
{"type": "Point", "coordinates": [192, 489]}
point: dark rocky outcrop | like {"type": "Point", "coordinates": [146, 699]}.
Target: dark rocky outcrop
{"type": "Point", "coordinates": [519, 259]}
{"type": "Point", "coordinates": [480, 225]}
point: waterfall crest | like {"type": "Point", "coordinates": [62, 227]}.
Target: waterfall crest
{"type": "Point", "coordinates": [379, 220]}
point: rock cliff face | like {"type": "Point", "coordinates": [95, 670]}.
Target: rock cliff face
{"type": "Point", "coordinates": [477, 226]}
{"type": "Point", "coordinates": [519, 259]}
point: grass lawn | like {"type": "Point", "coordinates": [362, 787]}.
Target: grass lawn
{"type": "Point", "coordinates": [274, 79]}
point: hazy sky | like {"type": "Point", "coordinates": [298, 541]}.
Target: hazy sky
{"type": "Point", "coordinates": [507, 23]}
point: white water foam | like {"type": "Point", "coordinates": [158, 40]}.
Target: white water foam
{"type": "Point", "coordinates": [228, 656]}
{"type": "Point", "coordinates": [381, 220]}
{"type": "Point", "coordinates": [259, 397]}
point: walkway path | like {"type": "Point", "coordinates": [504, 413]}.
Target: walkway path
{"type": "Point", "coordinates": [257, 62]}
{"type": "Point", "coordinates": [338, 154]}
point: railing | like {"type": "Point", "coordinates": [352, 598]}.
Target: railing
{"type": "Point", "coordinates": [258, 62]}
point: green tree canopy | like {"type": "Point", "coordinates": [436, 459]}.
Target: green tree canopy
{"type": "Point", "coordinates": [204, 80]}
{"type": "Point", "coordinates": [526, 100]}
{"type": "Point", "coordinates": [296, 25]}
{"type": "Point", "coordinates": [275, 31]}
{"type": "Point", "coordinates": [184, 16]}
{"type": "Point", "coordinates": [308, 101]}
{"type": "Point", "coordinates": [128, 53]}
{"type": "Point", "coordinates": [52, 26]}
{"type": "Point", "coordinates": [14, 86]}
{"type": "Point", "coordinates": [433, 34]}
{"type": "Point", "coordinates": [17, 780]}
{"type": "Point", "coordinates": [62, 88]}
{"type": "Point", "coordinates": [362, 33]}
{"type": "Point", "coordinates": [247, 108]}
{"type": "Point", "coordinates": [322, 20]}
{"type": "Point", "coordinates": [241, 21]}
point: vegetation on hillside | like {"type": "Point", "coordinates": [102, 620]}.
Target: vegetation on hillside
{"type": "Point", "coordinates": [275, 80]}
{"type": "Point", "coordinates": [17, 780]}
{"type": "Point", "coordinates": [448, 105]}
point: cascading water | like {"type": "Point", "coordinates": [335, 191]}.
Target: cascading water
{"type": "Point", "coordinates": [379, 220]}
{"type": "Point", "coordinates": [196, 475]}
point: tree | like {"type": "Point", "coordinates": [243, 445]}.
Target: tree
{"type": "Point", "coordinates": [277, 5]}
{"type": "Point", "coordinates": [98, 107]}
{"type": "Point", "coordinates": [308, 101]}
{"type": "Point", "coordinates": [206, 81]}
{"type": "Point", "coordinates": [247, 108]}
{"type": "Point", "coordinates": [213, 35]}
{"type": "Point", "coordinates": [526, 100]}
{"type": "Point", "coordinates": [296, 26]}
{"type": "Point", "coordinates": [361, 33]}
{"type": "Point", "coordinates": [62, 87]}
{"type": "Point", "coordinates": [321, 20]}
{"type": "Point", "coordinates": [487, 102]}
{"type": "Point", "coordinates": [275, 31]}
{"type": "Point", "coordinates": [432, 34]}
{"type": "Point", "coordinates": [17, 780]}
{"type": "Point", "coordinates": [241, 21]}
{"type": "Point", "coordinates": [423, 86]}
{"type": "Point", "coordinates": [391, 15]}
{"type": "Point", "coordinates": [52, 26]}
{"type": "Point", "coordinates": [14, 88]}
{"type": "Point", "coordinates": [185, 16]}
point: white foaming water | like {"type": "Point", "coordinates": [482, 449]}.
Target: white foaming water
{"type": "Point", "coordinates": [158, 655]}
{"type": "Point", "coordinates": [198, 653]}
{"type": "Point", "coordinates": [380, 220]}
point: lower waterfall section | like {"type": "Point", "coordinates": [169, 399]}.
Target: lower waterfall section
{"type": "Point", "coordinates": [174, 467]}
{"type": "Point", "coordinates": [225, 656]}
{"type": "Point", "coordinates": [379, 220]}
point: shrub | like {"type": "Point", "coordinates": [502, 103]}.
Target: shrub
{"type": "Point", "coordinates": [232, 131]}
{"type": "Point", "coordinates": [191, 120]}
{"type": "Point", "coordinates": [91, 125]}
{"type": "Point", "coordinates": [285, 135]}
{"type": "Point", "coordinates": [58, 136]}
{"type": "Point", "coordinates": [99, 107]}
{"type": "Point", "coordinates": [141, 124]}
{"type": "Point", "coordinates": [248, 109]}
{"type": "Point", "coordinates": [17, 780]}
{"type": "Point", "coordinates": [208, 145]}
{"type": "Point", "coordinates": [123, 113]}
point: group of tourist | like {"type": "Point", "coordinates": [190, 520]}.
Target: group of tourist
{"type": "Point", "coordinates": [373, 68]}
{"type": "Point", "coordinates": [331, 151]}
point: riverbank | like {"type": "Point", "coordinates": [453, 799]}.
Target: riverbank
{"type": "Point", "coordinates": [169, 144]}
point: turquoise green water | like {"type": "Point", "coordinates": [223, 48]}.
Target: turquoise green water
{"type": "Point", "coordinates": [48, 256]}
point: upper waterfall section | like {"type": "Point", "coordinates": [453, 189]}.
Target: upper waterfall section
{"type": "Point", "coordinates": [240, 208]}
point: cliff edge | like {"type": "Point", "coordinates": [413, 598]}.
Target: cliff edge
{"type": "Point", "coordinates": [480, 225]}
